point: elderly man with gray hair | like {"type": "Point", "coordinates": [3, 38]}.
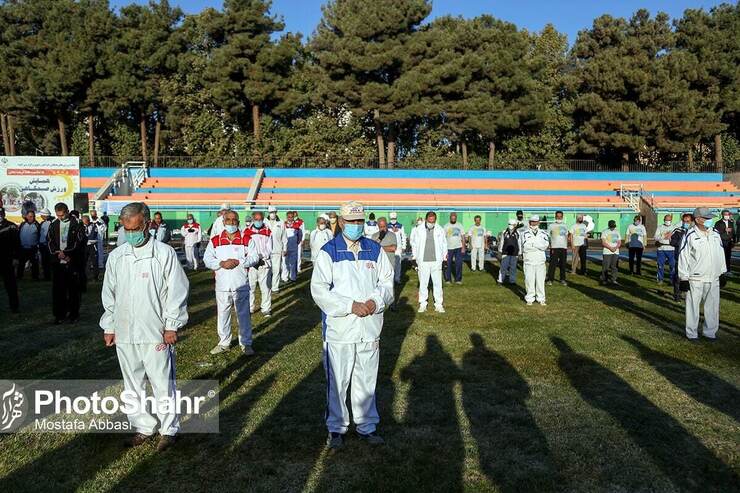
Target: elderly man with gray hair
{"type": "Point", "coordinates": [145, 293]}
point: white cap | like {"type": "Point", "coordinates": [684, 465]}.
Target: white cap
{"type": "Point", "coordinates": [272, 208]}
{"type": "Point", "coordinates": [534, 218]}
{"type": "Point", "coordinates": [513, 222]}
{"type": "Point", "coordinates": [45, 212]}
{"type": "Point", "coordinates": [324, 216]}
{"type": "Point", "coordinates": [352, 211]}
{"type": "Point", "coordinates": [225, 206]}
{"type": "Point", "coordinates": [393, 215]}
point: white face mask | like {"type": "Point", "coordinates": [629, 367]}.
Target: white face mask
{"type": "Point", "coordinates": [511, 227]}
{"type": "Point", "coordinates": [558, 221]}
{"type": "Point", "coordinates": [430, 225]}
{"type": "Point", "coordinates": [637, 223]}
{"type": "Point", "coordinates": [667, 223]}
{"type": "Point", "coordinates": [322, 226]}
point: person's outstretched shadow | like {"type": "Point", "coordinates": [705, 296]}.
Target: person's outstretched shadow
{"type": "Point", "coordinates": [431, 419]}
{"type": "Point", "coordinates": [694, 381]}
{"type": "Point", "coordinates": [513, 452]}
{"type": "Point", "coordinates": [681, 457]}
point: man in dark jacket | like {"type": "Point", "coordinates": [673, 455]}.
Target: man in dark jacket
{"type": "Point", "coordinates": [726, 229]}
{"type": "Point", "coordinates": [509, 250]}
{"type": "Point", "coordinates": [687, 221]}
{"type": "Point", "coordinates": [9, 250]}
{"type": "Point", "coordinates": [67, 243]}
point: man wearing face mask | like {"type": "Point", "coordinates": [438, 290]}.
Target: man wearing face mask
{"type": "Point", "coordinates": [666, 252]}
{"type": "Point", "coordinates": [520, 220]}
{"type": "Point", "coordinates": [279, 246]}
{"type": "Point", "coordinates": [558, 233]}
{"type": "Point", "coordinates": [334, 224]}
{"type": "Point", "coordinates": [397, 229]}
{"type": "Point", "coordinates": [636, 235]}
{"type": "Point", "coordinates": [319, 236]}
{"type": "Point", "coordinates": [478, 238]}
{"type": "Point", "coordinates": [701, 271]}
{"type": "Point", "coordinates": [352, 283]}
{"type": "Point", "coordinates": [726, 229]}
{"type": "Point", "coordinates": [293, 246]}
{"type": "Point", "coordinates": [509, 251]}
{"type": "Point", "coordinates": [259, 234]}
{"type": "Point", "coordinates": [611, 240]}
{"type": "Point", "coordinates": [159, 230]}
{"type": "Point", "coordinates": [579, 245]}
{"type": "Point", "coordinates": [102, 233]}
{"type": "Point", "coordinates": [67, 242]}
{"type": "Point", "coordinates": [687, 222]}
{"type": "Point", "coordinates": [218, 224]}
{"type": "Point", "coordinates": [145, 293]}
{"type": "Point", "coordinates": [191, 235]}
{"type": "Point", "coordinates": [429, 249]}
{"type": "Point", "coordinates": [230, 255]}
{"type": "Point", "coordinates": [533, 243]}
{"type": "Point", "coordinates": [9, 251]}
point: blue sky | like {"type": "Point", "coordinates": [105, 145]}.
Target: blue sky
{"type": "Point", "coordinates": [568, 16]}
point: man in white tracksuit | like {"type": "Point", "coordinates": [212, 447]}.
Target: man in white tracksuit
{"type": "Point", "coordinates": [191, 235]}
{"type": "Point", "coordinates": [259, 234]}
{"type": "Point", "coordinates": [144, 295]}
{"type": "Point", "coordinates": [352, 283]}
{"type": "Point", "coordinates": [279, 245]}
{"type": "Point", "coordinates": [218, 224]}
{"type": "Point", "coordinates": [701, 271]}
{"type": "Point", "coordinates": [319, 236]}
{"type": "Point", "coordinates": [477, 236]}
{"type": "Point", "coordinates": [397, 229]}
{"type": "Point", "coordinates": [102, 230]}
{"type": "Point", "coordinates": [229, 255]}
{"type": "Point", "coordinates": [429, 248]}
{"type": "Point", "coordinates": [533, 243]}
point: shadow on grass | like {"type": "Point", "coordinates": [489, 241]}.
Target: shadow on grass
{"type": "Point", "coordinates": [680, 456]}
{"type": "Point", "coordinates": [696, 382]}
{"type": "Point", "coordinates": [512, 450]}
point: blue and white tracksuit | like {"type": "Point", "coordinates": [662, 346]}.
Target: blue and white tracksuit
{"type": "Point", "coordinates": [351, 343]}
{"type": "Point", "coordinates": [293, 246]}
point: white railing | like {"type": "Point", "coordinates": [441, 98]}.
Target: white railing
{"type": "Point", "coordinates": [138, 171]}
{"type": "Point", "coordinates": [632, 193]}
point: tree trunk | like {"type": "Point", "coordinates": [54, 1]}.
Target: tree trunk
{"type": "Point", "coordinates": [256, 122]}
{"type": "Point", "coordinates": [6, 143]}
{"type": "Point", "coordinates": [465, 154]}
{"type": "Point", "coordinates": [142, 131]}
{"type": "Point", "coordinates": [11, 133]}
{"type": "Point", "coordinates": [379, 139]}
{"type": "Point", "coordinates": [392, 147]}
{"type": "Point", "coordinates": [90, 140]}
{"type": "Point", "coordinates": [62, 135]}
{"type": "Point", "coordinates": [157, 134]}
{"type": "Point", "coordinates": [491, 154]}
{"type": "Point", "coordinates": [718, 153]}
{"type": "Point", "coordinates": [691, 157]}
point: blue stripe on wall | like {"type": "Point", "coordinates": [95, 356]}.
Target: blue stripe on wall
{"type": "Point", "coordinates": [523, 191]}
{"type": "Point", "coordinates": [202, 172]}
{"type": "Point", "coordinates": [184, 190]}
{"type": "Point", "coordinates": [97, 172]}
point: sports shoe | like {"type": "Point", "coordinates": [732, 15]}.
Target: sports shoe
{"type": "Point", "coordinates": [218, 349]}
{"type": "Point", "coordinates": [439, 309]}
{"type": "Point", "coordinates": [660, 283]}
{"type": "Point", "coordinates": [529, 303]}
{"type": "Point", "coordinates": [564, 282]}
{"type": "Point", "coordinates": [335, 441]}
{"type": "Point", "coordinates": [549, 283]}
{"type": "Point", "coordinates": [247, 350]}
{"type": "Point", "coordinates": [136, 440]}
{"type": "Point", "coordinates": [422, 308]}
{"type": "Point", "coordinates": [542, 303]}
{"type": "Point", "coordinates": [266, 314]}
{"type": "Point", "coordinates": [371, 438]}
{"type": "Point", "coordinates": [165, 442]}
{"type": "Point", "coordinates": [458, 282]}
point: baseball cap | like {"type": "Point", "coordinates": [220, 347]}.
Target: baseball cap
{"type": "Point", "coordinates": [393, 215]}
{"type": "Point", "coordinates": [352, 211]}
{"type": "Point", "coordinates": [45, 212]}
{"type": "Point", "coordinates": [272, 208]}
{"type": "Point", "coordinates": [703, 212]}
{"type": "Point", "coordinates": [534, 218]}
{"type": "Point", "coordinates": [513, 222]}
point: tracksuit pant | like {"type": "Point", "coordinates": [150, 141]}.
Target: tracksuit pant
{"type": "Point", "coordinates": [609, 267]}
{"type": "Point", "coordinates": [191, 255]}
{"type": "Point", "coordinates": [155, 363]}
{"type": "Point", "coordinates": [101, 253]}
{"type": "Point", "coordinates": [558, 258]}
{"type": "Point", "coordinates": [91, 261]}
{"type": "Point", "coordinates": [454, 255]}
{"type": "Point", "coordinates": [534, 282]}
{"type": "Point", "coordinates": [397, 269]}
{"type": "Point", "coordinates": [477, 258]}
{"type": "Point", "coordinates": [579, 259]}
{"type": "Point", "coordinates": [45, 260]}
{"type": "Point", "coordinates": [728, 256]}
{"type": "Point", "coordinates": [707, 293]}
{"type": "Point", "coordinates": [276, 259]}
{"type": "Point", "coordinates": [239, 300]}
{"type": "Point", "coordinates": [508, 268]}
{"type": "Point", "coordinates": [260, 276]}
{"type": "Point", "coordinates": [666, 256]}
{"type": "Point", "coordinates": [65, 290]}
{"type": "Point", "coordinates": [291, 265]}
{"type": "Point", "coordinates": [635, 259]}
{"type": "Point", "coordinates": [10, 283]}
{"type": "Point", "coordinates": [354, 367]}
{"type": "Point", "coordinates": [29, 255]}
{"type": "Point", "coordinates": [431, 270]}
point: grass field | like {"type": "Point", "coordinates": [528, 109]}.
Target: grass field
{"type": "Point", "coordinates": [598, 391]}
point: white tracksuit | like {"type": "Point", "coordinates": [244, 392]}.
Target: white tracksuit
{"type": "Point", "coordinates": [261, 275]}
{"type": "Point", "coordinates": [279, 245]}
{"type": "Point", "coordinates": [302, 227]}
{"type": "Point", "coordinates": [190, 241]}
{"type": "Point", "coordinates": [145, 292]}
{"type": "Point", "coordinates": [232, 285]}
{"type": "Point", "coordinates": [351, 344]}
{"type": "Point", "coordinates": [397, 229]}
{"type": "Point", "coordinates": [477, 235]}
{"type": "Point", "coordinates": [702, 262]}
{"type": "Point", "coordinates": [319, 238]}
{"type": "Point", "coordinates": [218, 226]}
{"type": "Point", "coordinates": [428, 269]}
{"type": "Point", "coordinates": [533, 245]}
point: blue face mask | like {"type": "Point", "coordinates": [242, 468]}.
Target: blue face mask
{"type": "Point", "coordinates": [257, 224]}
{"type": "Point", "coordinates": [135, 238]}
{"type": "Point", "coordinates": [231, 228]}
{"type": "Point", "coordinates": [353, 231]}
{"type": "Point", "coordinates": [709, 223]}
{"type": "Point", "coordinates": [686, 225]}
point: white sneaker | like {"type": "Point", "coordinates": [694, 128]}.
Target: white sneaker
{"type": "Point", "coordinates": [529, 303]}
{"type": "Point", "coordinates": [266, 314]}
{"type": "Point", "coordinates": [422, 308]}
{"type": "Point", "coordinates": [218, 349]}
{"type": "Point", "coordinates": [247, 350]}
{"type": "Point", "coordinates": [543, 303]}
{"type": "Point", "coordinates": [439, 309]}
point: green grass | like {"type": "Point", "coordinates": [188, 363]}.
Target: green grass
{"type": "Point", "coordinates": [598, 391]}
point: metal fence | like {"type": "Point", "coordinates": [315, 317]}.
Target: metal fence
{"type": "Point", "coordinates": [452, 163]}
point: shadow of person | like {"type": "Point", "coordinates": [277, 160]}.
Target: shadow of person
{"type": "Point", "coordinates": [694, 381]}
{"type": "Point", "coordinates": [680, 456]}
{"type": "Point", "coordinates": [512, 450]}
{"type": "Point", "coordinates": [436, 451]}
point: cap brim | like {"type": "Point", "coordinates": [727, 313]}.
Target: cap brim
{"type": "Point", "coordinates": [353, 217]}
